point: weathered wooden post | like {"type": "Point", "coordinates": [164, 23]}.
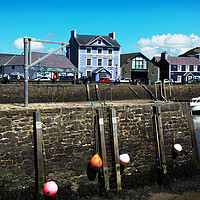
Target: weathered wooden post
{"type": "Point", "coordinates": [103, 148]}
{"type": "Point", "coordinates": [116, 148]}
{"type": "Point", "coordinates": [161, 146]}
{"type": "Point", "coordinates": [38, 138]}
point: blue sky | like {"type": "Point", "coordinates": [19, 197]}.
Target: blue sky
{"type": "Point", "coordinates": [147, 26]}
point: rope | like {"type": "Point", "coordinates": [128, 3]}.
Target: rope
{"type": "Point", "coordinates": [94, 114]}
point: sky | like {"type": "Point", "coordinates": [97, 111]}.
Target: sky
{"type": "Point", "coordinates": [146, 26]}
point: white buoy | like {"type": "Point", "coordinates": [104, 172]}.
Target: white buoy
{"type": "Point", "coordinates": [124, 158]}
{"type": "Point", "coordinates": [177, 147]}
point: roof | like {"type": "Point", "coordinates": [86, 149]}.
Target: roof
{"type": "Point", "coordinates": [183, 60]}
{"type": "Point", "coordinates": [157, 58]}
{"type": "Point", "coordinates": [193, 51]}
{"type": "Point", "coordinates": [86, 39]}
{"type": "Point", "coordinates": [125, 57]}
{"type": "Point", "coordinates": [97, 70]}
{"type": "Point", "coordinates": [54, 60]}
{"type": "Point", "coordinates": [4, 58]}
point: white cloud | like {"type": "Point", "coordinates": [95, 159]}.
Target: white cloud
{"type": "Point", "coordinates": [50, 35]}
{"type": "Point", "coordinates": [19, 44]}
{"type": "Point", "coordinates": [175, 44]}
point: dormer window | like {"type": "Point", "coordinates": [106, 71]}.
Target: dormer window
{"type": "Point", "coordinates": [99, 41]}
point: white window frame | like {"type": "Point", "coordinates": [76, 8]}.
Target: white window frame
{"type": "Point", "coordinates": [179, 79]}
{"type": "Point", "coordinates": [89, 71]}
{"type": "Point", "coordinates": [110, 53]}
{"type": "Point", "coordinates": [108, 63]}
{"type": "Point", "coordinates": [101, 51]}
{"type": "Point", "coordinates": [179, 69]}
{"type": "Point", "coordinates": [111, 72]}
{"type": "Point", "coordinates": [87, 62]}
{"type": "Point", "coordinates": [187, 68]}
{"type": "Point", "coordinates": [98, 62]}
{"type": "Point", "coordinates": [98, 41]}
{"type": "Point", "coordinates": [195, 68]}
{"type": "Point", "coordinates": [90, 50]}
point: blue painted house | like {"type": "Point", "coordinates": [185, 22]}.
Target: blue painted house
{"type": "Point", "coordinates": [178, 69]}
{"type": "Point", "coordinates": [94, 55]}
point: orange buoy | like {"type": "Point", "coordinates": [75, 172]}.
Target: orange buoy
{"type": "Point", "coordinates": [95, 162]}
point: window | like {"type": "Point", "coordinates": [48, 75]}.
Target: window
{"type": "Point", "coordinates": [13, 67]}
{"type": "Point", "coordinates": [99, 51]}
{"type": "Point", "coordinates": [99, 62]}
{"type": "Point", "coordinates": [110, 51]}
{"type": "Point", "coordinates": [98, 41]}
{"type": "Point", "coordinates": [187, 68]}
{"type": "Point", "coordinates": [139, 63]}
{"type": "Point", "coordinates": [178, 78]}
{"type": "Point", "coordinates": [89, 62]}
{"type": "Point", "coordinates": [102, 74]}
{"type": "Point", "coordinates": [89, 50]}
{"type": "Point", "coordinates": [89, 73]}
{"type": "Point", "coordinates": [195, 68]}
{"type": "Point", "coordinates": [109, 62]}
{"type": "Point", "coordinates": [179, 68]}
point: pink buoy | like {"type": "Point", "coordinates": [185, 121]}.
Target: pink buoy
{"type": "Point", "coordinates": [50, 188]}
{"type": "Point", "coordinates": [124, 158]}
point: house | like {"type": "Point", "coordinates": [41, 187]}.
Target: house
{"type": "Point", "coordinates": [55, 63]}
{"type": "Point", "coordinates": [178, 69]}
{"type": "Point", "coordinates": [136, 66]}
{"type": "Point", "coordinates": [4, 59]}
{"type": "Point", "coordinates": [94, 56]}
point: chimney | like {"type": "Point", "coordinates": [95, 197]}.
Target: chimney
{"type": "Point", "coordinates": [73, 33]}
{"type": "Point", "coordinates": [163, 55]}
{"type": "Point", "coordinates": [112, 35]}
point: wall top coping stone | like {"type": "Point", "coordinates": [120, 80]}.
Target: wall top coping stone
{"type": "Point", "coordinates": [73, 105]}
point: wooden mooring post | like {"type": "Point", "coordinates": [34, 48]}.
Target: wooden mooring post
{"type": "Point", "coordinates": [103, 148]}
{"type": "Point", "coordinates": [116, 148]}
{"type": "Point", "coordinates": [160, 138]}
{"type": "Point", "coordinates": [38, 138]}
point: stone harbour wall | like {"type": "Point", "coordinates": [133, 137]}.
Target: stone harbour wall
{"type": "Point", "coordinates": [47, 93]}
{"type": "Point", "coordinates": [69, 139]}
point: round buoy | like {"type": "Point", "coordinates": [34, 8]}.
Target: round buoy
{"type": "Point", "coordinates": [50, 188]}
{"type": "Point", "coordinates": [124, 158]}
{"type": "Point", "coordinates": [177, 147]}
{"type": "Point", "coordinates": [95, 162]}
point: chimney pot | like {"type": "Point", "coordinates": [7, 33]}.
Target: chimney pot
{"type": "Point", "coordinates": [73, 33]}
{"type": "Point", "coordinates": [163, 55]}
{"type": "Point", "coordinates": [112, 35]}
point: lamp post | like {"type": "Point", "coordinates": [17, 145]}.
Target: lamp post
{"type": "Point", "coordinates": [116, 71]}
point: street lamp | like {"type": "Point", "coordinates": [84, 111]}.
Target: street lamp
{"type": "Point", "coordinates": [116, 70]}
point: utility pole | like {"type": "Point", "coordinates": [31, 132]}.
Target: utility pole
{"type": "Point", "coordinates": [27, 60]}
{"type": "Point", "coordinates": [26, 44]}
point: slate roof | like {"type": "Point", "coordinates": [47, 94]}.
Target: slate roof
{"type": "Point", "coordinates": [125, 57]}
{"type": "Point", "coordinates": [54, 60]}
{"type": "Point", "coordinates": [86, 39]}
{"type": "Point", "coordinates": [157, 58]}
{"type": "Point", "coordinates": [4, 58]}
{"type": "Point", "coordinates": [183, 60]}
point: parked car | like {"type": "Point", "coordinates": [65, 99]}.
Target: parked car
{"type": "Point", "coordinates": [125, 80]}
{"type": "Point", "coordinates": [194, 80]}
{"type": "Point", "coordinates": [42, 78]}
{"type": "Point", "coordinates": [105, 80]}
{"type": "Point", "coordinates": [64, 78]}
